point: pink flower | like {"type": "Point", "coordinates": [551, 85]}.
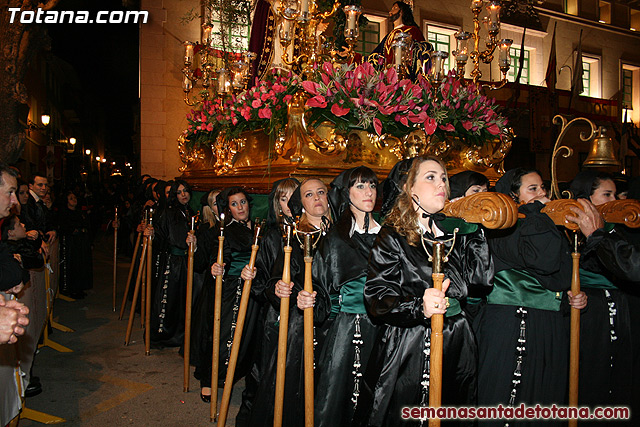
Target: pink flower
{"type": "Point", "coordinates": [467, 124]}
{"type": "Point", "coordinates": [256, 103]}
{"type": "Point", "coordinates": [287, 98]}
{"type": "Point", "coordinates": [430, 126]}
{"type": "Point", "coordinates": [418, 118]}
{"type": "Point", "coordinates": [311, 87]}
{"type": "Point", "coordinates": [209, 127]}
{"type": "Point", "coordinates": [327, 67]}
{"type": "Point", "coordinates": [493, 129]}
{"type": "Point", "coordinates": [338, 110]}
{"type": "Point", "coordinates": [264, 113]}
{"type": "Point", "coordinates": [402, 119]}
{"type": "Point", "coordinates": [317, 101]}
{"type": "Point", "coordinates": [448, 127]}
{"type": "Point", "coordinates": [377, 125]}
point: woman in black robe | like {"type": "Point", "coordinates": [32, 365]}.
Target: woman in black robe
{"type": "Point", "coordinates": [522, 336]}
{"type": "Point", "coordinates": [349, 341]}
{"type": "Point", "coordinates": [168, 296]}
{"type": "Point", "coordinates": [605, 328]}
{"type": "Point", "coordinates": [399, 295]}
{"type": "Point", "coordinates": [267, 329]}
{"type": "Point", "coordinates": [238, 233]}
{"type": "Point", "coordinates": [312, 195]}
{"type": "Point", "coordinates": [206, 241]}
{"type": "Point", "coordinates": [75, 250]}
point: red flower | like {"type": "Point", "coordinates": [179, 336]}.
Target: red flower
{"type": "Point", "coordinates": [467, 124]}
{"type": "Point", "coordinates": [338, 110]}
{"type": "Point", "coordinates": [264, 113]}
{"type": "Point", "coordinates": [311, 87]}
{"type": "Point", "coordinates": [377, 125]}
{"type": "Point", "coordinates": [448, 127]}
{"type": "Point", "coordinates": [317, 101]}
{"type": "Point", "coordinates": [493, 129]}
{"type": "Point", "coordinates": [430, 126]}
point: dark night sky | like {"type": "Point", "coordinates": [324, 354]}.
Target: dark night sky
{"type": "Point", "coordinates": [105, 57]}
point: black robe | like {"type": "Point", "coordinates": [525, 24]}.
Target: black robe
{"type": "Point", "coordinates": [397, 277]}
{"type": "Point", "coordinates": [76, 261]}
{"type": "Point", "coordinates": [537, 247]}
{"type": "Point", "coordinates": [338, 379]}
{"type": "Point", "coordinates": [168, 295]}
{"type": "Point", "coordinates": [236, 253]}
{"type": "Point", "coordinates": [262, 409]}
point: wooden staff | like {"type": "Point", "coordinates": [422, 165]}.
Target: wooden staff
{"type": "Point", "coordinates": [136, 290]}
{"type": "Point", "coordinates": [492, 210]}
{"type": "Point", "coordinates": [143, 285]}
{"type": "Point", "coordinates": [237, 335]}
{"type": "Point", "coordinates": [308, 335]}
{"type": "Point", "coordinates": [282, 335]}
{"type": "Point", "coordinates": [131, 268]}
{"type": "Point", "coordinates": [115, 256]}
{"type": "Point", "coordinates": [625, 212]}
{"type": "Point", "coordinates": [437, 340]}
{"type": "Point", "coordinates": [147, 299]}
{"type": "Point", "coordinates": [217, 309]}
{"type": "Point", "coordinates": [574, 346]}
{"type": "Point", "coordinates": [187, 312]}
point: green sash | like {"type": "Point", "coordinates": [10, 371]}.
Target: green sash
{"type": "Point", "coordinates": [174, 250]}
{"type": "Point", "coordinates": [352, 296]}
{"type": "Point", "coordinates": [594, 280]}
{"type": "Point", "coordinates": [519, 288]}
{"type": "Point", "coordinates": [240, 259]}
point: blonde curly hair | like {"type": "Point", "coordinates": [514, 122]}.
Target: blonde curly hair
{"type": "Point", "coordinates": [403, 217]}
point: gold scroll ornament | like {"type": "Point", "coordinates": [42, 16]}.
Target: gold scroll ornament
{"type": "Point", "coordinates": [492, 210]}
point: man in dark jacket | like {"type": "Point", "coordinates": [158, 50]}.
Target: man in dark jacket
{"type": "Point", "coordinates": [36, 216]}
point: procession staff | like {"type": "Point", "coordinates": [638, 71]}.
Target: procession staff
{"type": "Point", "coordinates": [521, 332]}
{"type": "Point", "coordinates": [238, 239]}
{"type": "Point", "coordinates": [349, 341]}
{"type": "Point", "coordinates": [237, 336]}
{"type": "Point", "coordinates": [399, 295]}
{"type": "Point", "coordinates": [146, 301]}
{"type": "Point", "coordinates": [271, 246]}
{"type": "Point", "coordinates": [115, 255]}
{"type": "Point", "coordinates": [202, 327]}
{"type": "Point", "coordinates": [605, 328]}
{"type": "Point", "coordinates": [187, 312]}
{"type": "Point", "coordinates": [312, 195]}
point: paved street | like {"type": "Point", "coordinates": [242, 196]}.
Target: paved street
{"type": "Point", "coordinates": [103, 383]}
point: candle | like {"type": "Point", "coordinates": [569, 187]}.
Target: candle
{"type": "Point", "coordinates": [186, 84]}
{"type": "Point", "coordinates": [285, 31]}
{"type": "Point", "coordinates": [351, 22]}
{"type": "Point", "coordinates": [397, 54]}
{"type": "Point", "coordinates": [504, 59]}
{"type": "Point", "coordinates": [206, 34]}
{"type": "Point", "coordinates": [304, 6]}
{"type": "Point", "coordinates": [494, 10]}
{"type": "Point", "coordinates": [193, 223]}
{"type": "Point", "coordinates": [188, 53]}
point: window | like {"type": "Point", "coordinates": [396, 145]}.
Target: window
{"type": "Point", "coordinates": [514, 52]}
{"type": "Point", "coordinates": [370, 35]}
{"type": "Point", "coordinates": [442, 39]}
{"type": "Point", "coordinates": [591, 76]}
{"type": "Point", "coordinates": [586, 78]}
{"type": "Point", "coordinates": [236, 35]}
{"type": "Point", "coordinates": [630, 87]}
{"type": "Point", "coordinates": [635, 20]}
{"type": "Point", "coordinates": [571, 7]}
{"type": "Point", "coordinates": [605, 12]}
{"type": "Point", "coordinates": [627, 89]}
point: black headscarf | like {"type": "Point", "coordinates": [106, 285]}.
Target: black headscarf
{"type": "Point", "coordinates": [582, 185]}
{"type": "Point", "coordinates": [222, 200]}
{"type": "Point", "coordinates": [461, 182]}
{"type": "Point", "coordinates": [506, 181]}
{"type": "Point", "coordinates": [634, 188]}
{"type": "Point", "coordinates": [392, 186]}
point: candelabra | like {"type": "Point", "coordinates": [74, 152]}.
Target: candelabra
{"type": "Point", "coordinates": [299, 21]}
{"type": "Point", "coordinates": [215, 82]}
{"type": "Point", "coordinates": [492, 26]}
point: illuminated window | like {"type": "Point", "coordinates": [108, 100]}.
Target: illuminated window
{"type": "Point", "coordinates": [368, 38]}
{"type": "Point", "coordinates": [627, 89]}
{"type": "Point", "coordinates": [591, 76]}
{"type": "Point", "coordinates": [630, 87]}
{"type": "Point", "coordinates": [514, 52]}
{"type": "Point", "coordinates": [236, 35]}
{"type": "Point", "coordinates": [442, 39]}
{"type": "Point", "coordinates": [605, 12]}
{"type": "Point", "coordinates": [571, 7]}
{"type": "Point", "coordinates": [586, 78]}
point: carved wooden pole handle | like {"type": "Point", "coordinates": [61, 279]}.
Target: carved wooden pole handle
{"type": "Point", "coordinates": [492, 210]}
{"type": "Point", "coordinates": [625, 212]}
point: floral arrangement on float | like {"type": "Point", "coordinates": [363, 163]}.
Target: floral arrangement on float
{"type": "Point", "coordinates": [353, 98]}
{"type": "Point", "coordinates": [264, 106]}
{"type": "Point", "coordinates": [379, 102]}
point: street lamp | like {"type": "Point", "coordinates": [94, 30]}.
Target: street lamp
{"type": "Point", "coordinates": [45, 119]}
{"type": "Point", "coordinates": [72, 141]}
{"type": "Point", "coordinates": [87, 152]}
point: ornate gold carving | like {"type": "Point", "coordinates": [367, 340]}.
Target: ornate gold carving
{"type": "Point", "coordinates": [224, 152]}
{"type": "Point", "coordinates": [625, 212]}
{"type": "Point", "coordinates": [492, 210]}
{"type": "Point", "coordinates": [330, 143]}
{"type": "Point", "coordinates": [188, 156]}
